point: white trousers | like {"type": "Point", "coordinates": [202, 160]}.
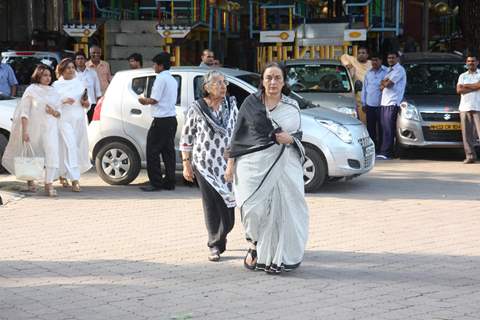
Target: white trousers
{"type": "Point", "coordinates": [50, 174]}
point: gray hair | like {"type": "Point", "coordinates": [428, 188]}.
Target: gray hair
{"type": "Point", "coordinates": [208, 77]}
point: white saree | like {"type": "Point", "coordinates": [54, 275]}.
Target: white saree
{"type": "Point", "coordinates": [42, 129]}
{"type": "Point", "coordinates": [269, 191]}
{"type": "Point", "coordinates": [73, 130]}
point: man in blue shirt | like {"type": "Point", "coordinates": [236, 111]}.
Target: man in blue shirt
{"type": "Point", "coordinates": [8, 81]}
{"type": "Point", "coordinates": [372, 96]}
{"type": "Point", "coordinates": [393, 89]}
{"type": "Point", "coordinates": [161, 135]}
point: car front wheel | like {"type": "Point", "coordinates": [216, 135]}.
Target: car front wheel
{"type": "Point", "coordinates": [117, 163]}
{"type": "Point", "coordinates": [314, 169]}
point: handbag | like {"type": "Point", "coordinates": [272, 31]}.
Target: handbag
{"type": "Point", "coordinates": [27, 167]}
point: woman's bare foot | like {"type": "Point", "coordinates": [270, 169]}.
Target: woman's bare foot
{"type": "Point", "coordinates": [250, 261]}
{"type": "Point", "coordinates": [32, 187]}
{"type": "Point", "coordinates": [50, 191]}
{"type": "Point", "coordinates": [64, 182]}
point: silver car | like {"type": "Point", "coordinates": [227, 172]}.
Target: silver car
{"type": "Point", "coordinates": [324, 82]}
{"type": "Point", "coordinates": [336, 145]}
{"type": "Point", "coordinates": [429, 116]}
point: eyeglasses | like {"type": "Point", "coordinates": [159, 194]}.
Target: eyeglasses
{"type": "Point", "coordinates": [220, 82]}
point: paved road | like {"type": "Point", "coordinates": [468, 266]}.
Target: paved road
{"type": "Point", "coordinates": [402, 242]}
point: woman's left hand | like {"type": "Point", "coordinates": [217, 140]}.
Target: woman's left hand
{"type": "Point", "coordinates": [283, 138]}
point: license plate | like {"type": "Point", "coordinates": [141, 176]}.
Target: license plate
{"type": "Point", "coordinates": [445, 126]}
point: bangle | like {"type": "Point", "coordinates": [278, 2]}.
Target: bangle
{"type": "Point", "coordinates": [185, 159]}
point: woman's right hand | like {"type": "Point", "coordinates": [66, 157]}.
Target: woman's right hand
{"type": "Point", "coordinates": [188, 171]}
{"type": "Point", "coordinates": [25, 137]}
{"type": "Point", "coordinates": [69, 101]}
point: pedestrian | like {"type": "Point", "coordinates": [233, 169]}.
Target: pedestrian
{"type": "Point", "coordinates": [208, 58]}
{"type": "Point", "coordinates": [74, 157]}
{"type": "Point", "coordinates": [205, 137]}
{"type": "Point", "coordinates": [468, 87]}
{"type": "Point", "coordinates": [102, 67]}
{"type": "Point", "coordinates": [161, 135]}
{"type": "Point", "coordinates": [135, 61]}
{"type": "Point", "coordinates": [393, 89]}
{"type": "Point", "coordinates": [90, 80]}
{"type": "Point", "coordinates": [35, 122]}
{"type": "Point", "coordinates": [268, 175]}
{"type": "Point", "coordinates": [8, 81]}
{"type": "Point", "coordinates": [358, 67]}
{"type": "Point", "coordinates": [372, 97]}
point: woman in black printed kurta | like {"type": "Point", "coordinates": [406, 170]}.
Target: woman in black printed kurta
{"type": "Point", "coordinates": [205, 140]}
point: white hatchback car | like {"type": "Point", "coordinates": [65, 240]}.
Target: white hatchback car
{"type": "Point", "coordinates": [336, 145]}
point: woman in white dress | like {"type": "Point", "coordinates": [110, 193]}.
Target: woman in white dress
{"type": "Point", "coordinates": [74, 159]}
{"type": "Point", "coordinates": [35, 122]}
{"type": "Point", "coordinates": [268, 175]}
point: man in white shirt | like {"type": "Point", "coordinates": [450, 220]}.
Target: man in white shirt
{"type": "Point", "coordinates": [393, 89]}
{"type": "Point", "coordinates": [161, 135]}
{"type": "Point", "coordinates": [90, 79]}
{"type": "Point", "coordinates": [372, 96]}
{"type": "Point", "coordinates": [468, 87]}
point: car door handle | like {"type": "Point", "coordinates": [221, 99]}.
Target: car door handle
{"type": "Point", "coordinates": [135, 111]}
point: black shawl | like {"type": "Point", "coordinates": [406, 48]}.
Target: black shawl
{"type": "Point", "coordinates": [254, 130]}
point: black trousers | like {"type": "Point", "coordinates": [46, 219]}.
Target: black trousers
{"type": "Point", "coordinates": [219, 219]}
{"type": "Point", "coordinates": [90, 112]}
{"type": "Point", "coordinates": [388, 122]}
{"type": "Point", "coordinates": [373, 125]}
{"type": "Point", "coordinates": [161, 141]}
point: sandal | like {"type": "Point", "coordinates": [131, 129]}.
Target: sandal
{"type": "Point", "coordinates": [214, 254]}
{"type": "Point", "coordinates": [64, 182]}
{"type": "Point", "coordinates": [75, 186]}
{"type": "Point", "coordinates": [32, 187]}
{"type": "Point", "coordinates": [253, 265]}
{"type": "Point", "coordinates": [50, 191]}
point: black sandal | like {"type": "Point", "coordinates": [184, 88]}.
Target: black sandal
{"type": "Point", "coordinates": [253, 254]}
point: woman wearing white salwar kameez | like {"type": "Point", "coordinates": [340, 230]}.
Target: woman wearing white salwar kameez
{"type": "Point", "coordinates": [74, 158]}
{"type": "Point", "coordinates": [268, 176]}
{"type": "Point", "coordinates": [35, 121]}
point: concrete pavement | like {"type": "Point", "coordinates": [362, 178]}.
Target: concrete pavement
{"type": "Point", "coordinates": [402, 242]}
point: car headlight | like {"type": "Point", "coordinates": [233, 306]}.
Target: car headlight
{"type": "Point", "coordinates": [349, 111]}
{"type": "Point", "coordinates": [339, 130]}
{"type": "Point", "coordinates": [409, 111]}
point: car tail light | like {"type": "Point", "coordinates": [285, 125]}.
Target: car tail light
{"type": "Point", "coordinates": [98, 110]}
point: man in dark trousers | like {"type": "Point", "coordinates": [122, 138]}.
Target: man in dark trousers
{"type": "Point", "coordinates": [393, 88]}
{"type": "Point", "coordinates": [161, 135]}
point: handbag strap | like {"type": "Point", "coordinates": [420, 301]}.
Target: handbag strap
{"type": "Point", "coordinates": [27, 146]}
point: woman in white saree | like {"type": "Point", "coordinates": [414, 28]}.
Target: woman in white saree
{"type": "Point", "coordinates": [268, 176]}
{"type": "Point", "coordinates": [35, 121]}
{"type": "Point", "coordinates": [74, 158]}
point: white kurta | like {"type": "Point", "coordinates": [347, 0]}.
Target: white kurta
{"type": "Point", "coordinates": [74, 158]}
{"type": "Point", "coordinates": [42, 127]}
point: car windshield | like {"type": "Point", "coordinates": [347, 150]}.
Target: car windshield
{"type": "Point", "coordinates": [433, 78]}
{"type": "Point", "coordinates": [250, 78]}
{"type": "Point", "coordinates": [318, 78]}
{"type": "Point", "coordinates": [24, 67]}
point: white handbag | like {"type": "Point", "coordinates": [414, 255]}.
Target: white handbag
{"type": "Point", "coordinates": [27, 167]}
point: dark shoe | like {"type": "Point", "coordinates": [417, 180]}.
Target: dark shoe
{"type": "Point", "coordinates": [469, 160]}
{"type": "Point", "coordinates": [253, 264]}
{"type": "Point", "coordinates": [168, 187]}
{"type": "Point", "coordinates": [214, 254]}
{"type": "Point", "coordinates": [150, 188]}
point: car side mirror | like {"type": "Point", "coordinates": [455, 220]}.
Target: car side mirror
{"type": "Point", "coordinates": [358, 86]}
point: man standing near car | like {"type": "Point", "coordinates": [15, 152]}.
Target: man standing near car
{"type": "Point", "coordinates": [372, 97]}
{"type": "Point", "coordinates": [393, 88]}
{"type": "Point", "coordinates": [468, 87]}
{"type": "Point", "coordinates": [161, 135]}
{"type": "Point", "coordinates": [8, 81]}
{"type": "Point", "coordinates": [102, 67]}
{"type": "Point", "coordinates": [358, 68]}
{"type": "Point", "coordinates": [89, 79]}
